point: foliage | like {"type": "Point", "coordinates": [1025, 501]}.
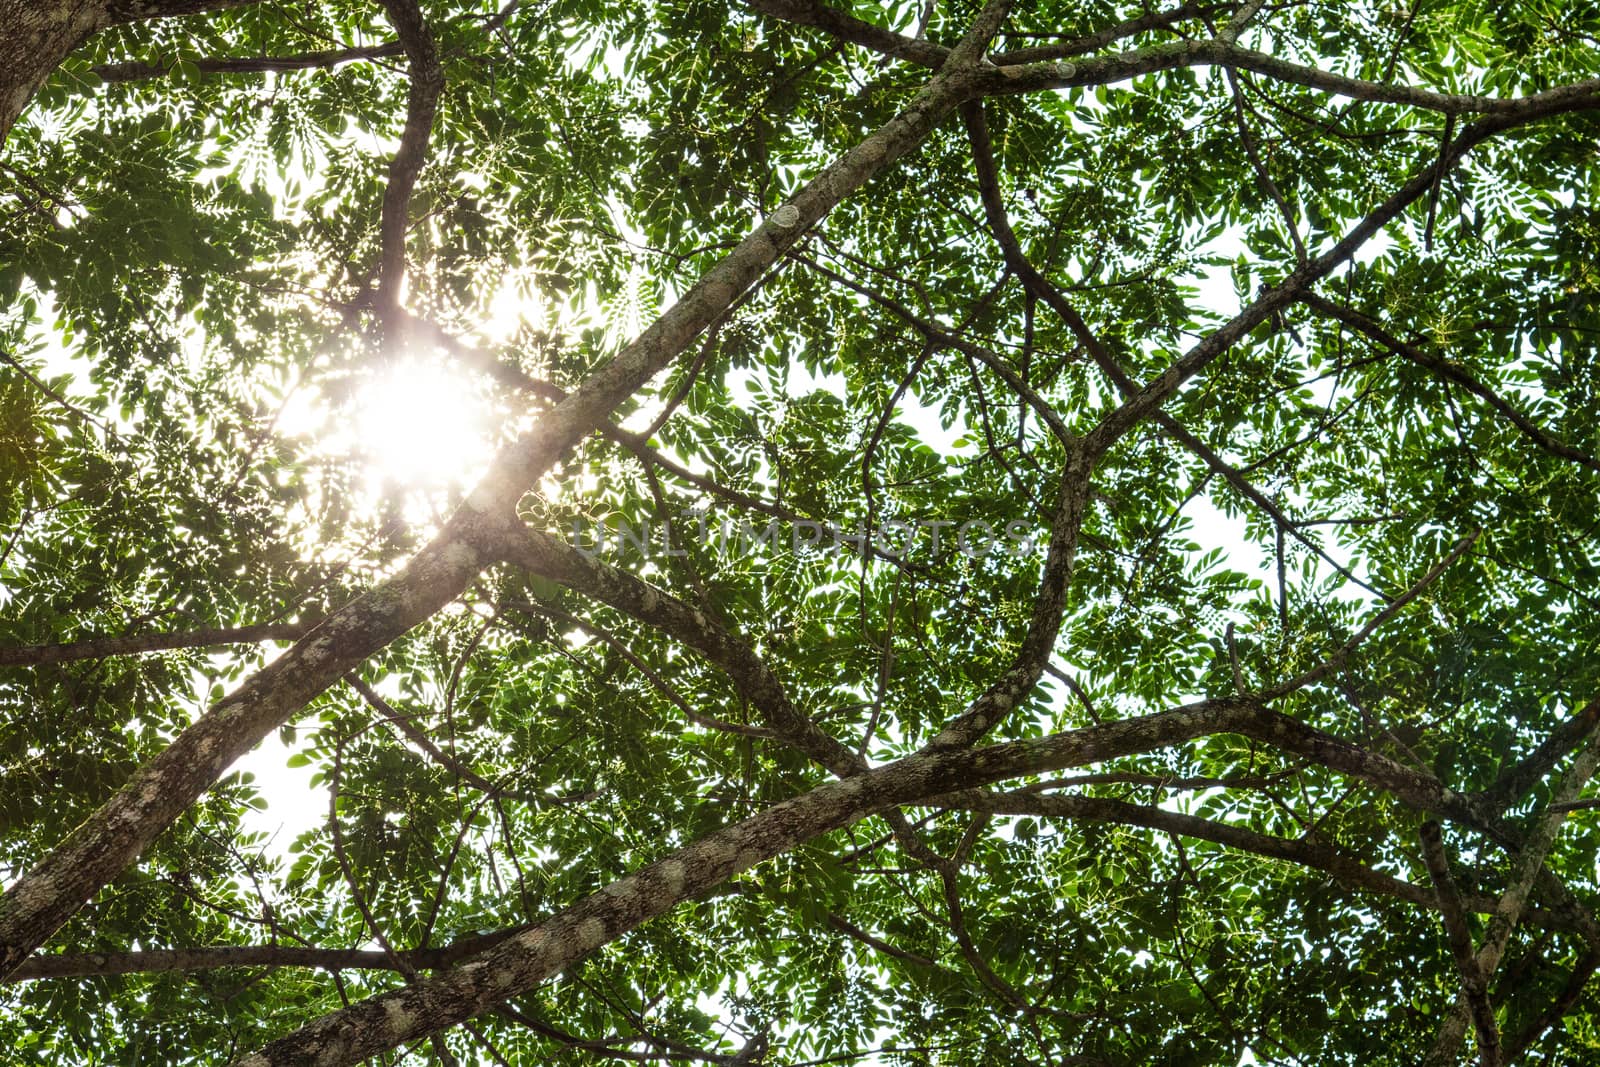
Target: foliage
{"type": "Point", "coordinates": [1372, 512]}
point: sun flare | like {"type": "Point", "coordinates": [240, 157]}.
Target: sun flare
{"type": "Point", "coordinates": [421, 426]}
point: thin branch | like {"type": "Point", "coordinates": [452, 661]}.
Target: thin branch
{"type": "Point", "coordinates": [666, 688]}
{"type": "Point", "coordinates": [1452, 372]}
{"type": "Point", "coordinates": [155, 961]}
{"type": "Point", "coordinates": [1564, 1002]}
{"type": "Point", "coordinates": [1342, 654]}
{"type": "Point", "coordinates": [118, 73]}
{"type": "Point", "coordinates": [139, 644]}
{"type": "Point", "coordinates": [1474, 983]}
{"type": "Point", "coordinates": [1042, 288]}
{"type": "Point", "coordinates": [418, 737]}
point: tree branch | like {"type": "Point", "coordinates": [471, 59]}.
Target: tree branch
{"type": "Point", "coordinates": [1452, 372]}
{"type": "Point", "coordinates": [1041, 287]}
{"type": "Point", "coordinates": [118, 73]}
{"type": "Point", "coordinates": [550, 558]}
{"type": "Point", "coordinates": [153, 961]}
{"type": "Point", "coordinates": [138, 644]}
{"type": "Point", "coordinates": [422, 104]}
{"type": "Point", "coordinates": [527, 959]}
{"type": "Point", "coordinates": [1527, 867]}
{"type": "Point", "coordinates": [1474, 983]}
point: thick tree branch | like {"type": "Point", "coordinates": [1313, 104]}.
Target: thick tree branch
{"type": "Point", "coordinates": [1105, 70]}
{"type": "Point", "coordinates": [529, 958]}
{"type": "Point", "coordinates": [476, 986]}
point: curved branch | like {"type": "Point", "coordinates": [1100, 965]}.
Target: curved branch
{"type": "Point", "coordinates": [1104, 70]}
{"type": "Point", "coordinates": [422, 104]}
{"type": "Point", "coordinates": [550, 558]}
{"type": "Point", "coordinates": [1039, 69]}
{"type": "Point", "coordinates": [1042, 288]}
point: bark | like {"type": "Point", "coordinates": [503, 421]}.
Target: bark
{"type": "Point", "coordinates": [36, 35]}
{"type": "Point", "coordinates": [34, 39]}
{"type": "Point", "coordinates": [110, 839]}
{"type": "Point", "coordinates": [529, 958]}
{"type": "Point", "coordinates": [382, 1022]}
{"type": "Point", "coordinates": [422, 105]}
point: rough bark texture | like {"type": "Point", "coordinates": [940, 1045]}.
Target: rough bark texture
{"type": "Point", "coordinates": [110, 839]}
{"type": "Point", "coordinates": [34, 39]}
{"type": "Point", "coordinates": [531, 957]}
{"type": "Point", "coordinates": [521, 962]}
{"type": "Point", "coordinates": [36, 35]}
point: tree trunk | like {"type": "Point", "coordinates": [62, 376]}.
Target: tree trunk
{"type": "Point", "coordinates": [34, 39]}
{"type": "Point", "coordinates": [36, 35]}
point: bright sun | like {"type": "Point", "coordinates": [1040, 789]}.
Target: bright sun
{"type": "Point", "coordinates": [420, 426]}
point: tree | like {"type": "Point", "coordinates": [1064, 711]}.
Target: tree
{"type": "Point", "coordinates": [1054, 534]}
